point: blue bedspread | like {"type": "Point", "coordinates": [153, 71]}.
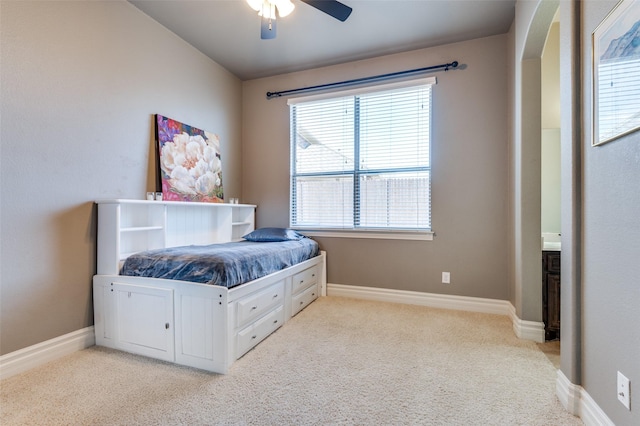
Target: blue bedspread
{"type": "Point", "coordinates": [227, 264]}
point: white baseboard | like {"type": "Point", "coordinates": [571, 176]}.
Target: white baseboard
{"type": "Point", "coordinates": [33, 356]}
{"type": "Point", "coordinates": [529, 330]}
{"type": "Point", "coordinates": [579, 403]}
{"type": "Point", "coordinates": [591, 413]}
{"type": "Point", "coordinates": [568, 394]}
{"type": "Point", "coordinates": [444, 301]}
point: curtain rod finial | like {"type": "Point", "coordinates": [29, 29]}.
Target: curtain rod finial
{"type": "Point", "coordinates": [453, 64]}
{"type": "Point", "coordinates": [271, 95]}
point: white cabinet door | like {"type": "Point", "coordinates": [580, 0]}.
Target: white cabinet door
{"type": "Point", "coordinates": [144, 320]}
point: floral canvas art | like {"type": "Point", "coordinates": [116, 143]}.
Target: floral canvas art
{"type": "Point", "coordinates": [190, 162]}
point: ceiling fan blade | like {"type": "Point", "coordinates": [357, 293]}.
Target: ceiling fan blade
{"type": "Point", "coordinates": [331, 7]}
{"type": "Point", "coordinates": [267, 28]}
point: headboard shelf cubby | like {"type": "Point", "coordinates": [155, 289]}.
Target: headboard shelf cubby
{"type": "Point", "coordinates": [129, 226]}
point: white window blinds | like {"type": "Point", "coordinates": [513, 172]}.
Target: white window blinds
{"type": "Point", "coordinates": [361, 160]}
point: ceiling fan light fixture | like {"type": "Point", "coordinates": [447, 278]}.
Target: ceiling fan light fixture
{"type": "Point", "coordinates": [285, 7]}
{"type": "Point", "coordinates": [267, 8]}
{"type": "Point", "coordinates": [255, 5]}
{"type": "Point", "coordinates": [267, 11]}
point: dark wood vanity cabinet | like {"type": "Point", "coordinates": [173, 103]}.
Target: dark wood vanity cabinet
{"type": "Point", "coordinates": [551, 294]}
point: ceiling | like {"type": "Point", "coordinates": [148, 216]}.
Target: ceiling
{"type": "Point", "coordinates": [228, 31]}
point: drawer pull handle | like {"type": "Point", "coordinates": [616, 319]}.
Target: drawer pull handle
{"type": "Point", "coordinates": [253, 337]}
{"type": "Point", "coordinates": [254, 307]}
{"type": "Point", "coordinates": [275, 295]}
{"type": "Point", "coordinates": [275, 321]}
{"type": "Point", "coordinates": [301, 281]}
{"type": "Point", "coordinates": [166, 326]}
{"type": "Point", "coordinates": [313, 294]}
{"type": "Point", "coordinates": [302, 303]}
{"type": "Point", "coordinates": [313, 275]}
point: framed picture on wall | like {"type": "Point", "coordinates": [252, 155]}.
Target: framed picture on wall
{"type": "Point", "coordinates": [616, 73]}
{"type": "Point", "coordinates": [190, 165]}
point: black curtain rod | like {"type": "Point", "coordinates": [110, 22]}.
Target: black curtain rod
{"type": "Point", "coordinates": [271, 95]}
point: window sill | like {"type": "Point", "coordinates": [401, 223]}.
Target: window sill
{"type": "Point", "coordinates": [390, 235]}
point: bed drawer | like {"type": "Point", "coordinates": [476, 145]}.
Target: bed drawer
{"type": "Point", "coordinates": [255, 305]}
{"type": "Point", "coordinates": [304, 279]}
{"type": "Point", "coordinates": [300, 301]}
{"type": "Point", "coordinates": [256, 332]}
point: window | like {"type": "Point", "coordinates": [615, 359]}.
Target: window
{"type": "Point", "coordinates": [360, 160]}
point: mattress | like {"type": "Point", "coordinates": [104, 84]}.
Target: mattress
{"type": "Point", "coordinates": [226, 264]}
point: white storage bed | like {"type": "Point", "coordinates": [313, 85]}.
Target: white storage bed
{"type": "Point", "coordinates": [197, 325]}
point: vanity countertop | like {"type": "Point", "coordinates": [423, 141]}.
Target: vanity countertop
{"type": "Point", "coordinates": [550, 241]}
{"type": "Point", "coordinates": [551, 246]}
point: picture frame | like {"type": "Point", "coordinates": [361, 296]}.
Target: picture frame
{"type": "Point", "coordinates": [616, 73]}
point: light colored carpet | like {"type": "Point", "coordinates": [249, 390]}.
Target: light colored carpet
{"type": "Point", "coordinates": [340, 361]}
{"type": "Point", "coordinates": [552, 350]}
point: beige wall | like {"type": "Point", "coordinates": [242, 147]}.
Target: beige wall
{"type": "Point", "coordinates": [550, 181]}
{"type": "Point", "coordinates": [550, 158]}
{"type": "Point", "coordinates": [470, 173]}
{"type": "Point", "coordinates": [571, 192]}
{"type": "Point", "coordinates": [551, 79]}
{"type": "Point", "coordinates": [611, 242]}
{"type": "Point", "coordinates": [530, 29]}
{"type": "Point", "coordinates": [80, 84]}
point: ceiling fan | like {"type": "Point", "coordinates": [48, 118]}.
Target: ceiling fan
{"type": "Point", "coordinates": [267, 10]}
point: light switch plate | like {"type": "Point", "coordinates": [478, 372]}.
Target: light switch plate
{"type": "Point", "coordinates": [624, 390]}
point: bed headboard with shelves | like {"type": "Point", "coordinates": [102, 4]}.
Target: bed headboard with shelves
{"type": "Point", "coordinates": [129, 226]}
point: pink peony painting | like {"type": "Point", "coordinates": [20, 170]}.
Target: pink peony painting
{"type": "Point", "coordinates": [190, 162]}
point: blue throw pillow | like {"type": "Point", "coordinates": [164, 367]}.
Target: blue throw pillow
{"type": "Point", "coordinates": [263, 235]}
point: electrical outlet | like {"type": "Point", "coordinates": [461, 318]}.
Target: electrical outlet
{"type": "Point", "coordinates": [624, 390]}
{"type": "Point", "coordinates": [446, 278]}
